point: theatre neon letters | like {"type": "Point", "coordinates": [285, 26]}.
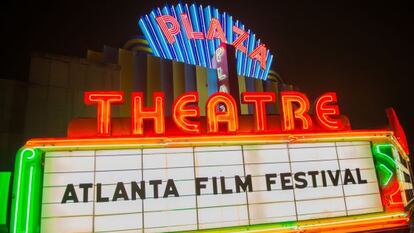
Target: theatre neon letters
{"type": "Point", "coordinates": [295, 111]}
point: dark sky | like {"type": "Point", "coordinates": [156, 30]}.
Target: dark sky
{"type": "Point", "coordinates": [363, 50]}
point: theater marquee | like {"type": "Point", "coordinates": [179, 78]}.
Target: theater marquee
{"type": "Point", "coordinates": [301, 170]}
{"type": "Point", "coordinates": [194, 188]}
{"type": "Point", "coordinates": [237, 173]}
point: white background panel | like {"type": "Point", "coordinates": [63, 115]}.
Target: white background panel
{"type": "Point", "coordinates": [265, 147]}
{"type": "Point", "coordinates": [358, 189]}
{"type": "Point", "coordinates": [119, 152]}
{"type": "Point", "coordinates": [356, 163]}
{"type": "Point", "coordinates": [184, 187]}
{"type": "Point", "coordinates": [262, 169]}
{"type": "Point", "coordinates": [229, 184]}
{"type": "Point", "coordinates": [355, 143]}
{"type": "Point", "coordinates": [312, 154]}
{"type": "Point", "coordinates": [113, 177]}
{"type": "Point", "coordinates": [210, 156]}
{"type": "Point", "coordinates": [364, 201]}
{"type": "Point", "coordinates": [317, 166]}
{"type": "Point", "coordinates": [270, 196]}
{"type": "Point", "coordinates": [264, 212]}
{"type": "Point", "coordinates": [259, 183]}
{"type": "Point", "coordinates": [272, 220]}
{"type": "Point", "coordinates": [221, 200]}
{"type": "Point", "coordinates": [55, 194]}
{"type": "Point", "coordinates": [314, 166]}
{"type": "Point", "coordinates": [169, 173]}
{"type": "Point", "coordinates": [67, 209]}
{"type": "Point", "coordinates": [62, 179]}
{"type": "Point", "coordinates": [71, 224]}
{"type": "Point", "coordinates": [179, 214]}
{"type": "Point", "coordinates": [226, 171]}
{"type": "Point", "coordinates": [69, 164]}
{"type": "Point", "coordinates": [108, 190]}
{"type": "Point", "coordinates": [318, 192]}
{"type": "Point", "coordinates": [168, 157]}
{"type": "Point", "coordinates": [118, 207]}
{"type": "Point", "coordinates": [354, 151]}
{"type": "Point", "coordinates": [173, 203]}
{"type": "Point", "coordinates": [265, 154]}
{"type": "Point", "coordinates": [170, 218]}
{"type": "Point", "coordinates": [366, 174]}
{"type": "Point", "coordinates": [79, 153]}
{"type": "Point", "coordinates": [365, 211]}
{"type": "Point", "coordinates": [118, 162]}
{"type": "Point", "coordinates": [322, 215]}
{"type": "Point", "coordinates": [118, 222]}
{"type": "Point", "coordinates": [172, 228]}
{"type": "Point", "coordinates": [320, 206]}
{"type": "Point", "coordinates": [222, 217]}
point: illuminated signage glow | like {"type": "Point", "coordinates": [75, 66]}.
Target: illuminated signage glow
{"type": "Point", "coordinates": [205, 187]}
{"type": "Point", "coordinates": [192, 34]}
{"type": "Point", "coordinates": [221, 109]}
{"type": "Point", "coordinates": [302, 170]}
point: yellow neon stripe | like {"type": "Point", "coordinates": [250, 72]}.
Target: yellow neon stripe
{"type": "Point", "coordinates": [142, 48]}
{"type": "Point", "coordinates": [242, 88]}
{"type": "Point", "coordinates": [135, 41]}
{"type": "Point", "coordinates": [201, 79]}
{"type": "Point", "coordinates": [126, 76]}
{"type": "Point", "coordinates": [258, 85]}
{"type": "Point", "coordinates": [153, 78]}
{"type": "Point", "coordinates": [178, 78]}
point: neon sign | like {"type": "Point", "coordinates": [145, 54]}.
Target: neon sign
{"type": "Point", "coordinates": [221, 109]}
{"type": "Point", "coordinates": [192, 34]}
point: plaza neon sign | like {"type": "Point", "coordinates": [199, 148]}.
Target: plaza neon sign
{"type": "Point", "coordinates": [170, 28]}
{"type": "Point", "coordinates": [192, 34]}
{"type": "Point", "coordinates": [295, 112]}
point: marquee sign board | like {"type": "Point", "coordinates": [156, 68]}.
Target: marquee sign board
{"type": "Point", "coordinates": [302, 170]}
{"type": "Point", "coordinates": [194, 188]}
{"type": "Point", "coordinates": [238, 182]}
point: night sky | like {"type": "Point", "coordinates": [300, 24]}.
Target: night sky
{"type": "Point", "coordinates": [363, 50]}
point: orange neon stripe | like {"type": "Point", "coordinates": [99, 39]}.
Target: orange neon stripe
{"type": "Point", "coordinates": [229, 116]}
{"type": "Point", "coordinates": [259, 100]}
{"type": "Point", "coordinates": [215, 140]}
{"type": "Point", "coordinates": [290, 114]}
{"type": "Point", "coordinates": [104, 100]}
{"type": "Point", "coordinates": [326, 107]}
{"type": "Point", "coordinates": [155, 113]}
{"type": "Point", "coordinates": [181, 112]}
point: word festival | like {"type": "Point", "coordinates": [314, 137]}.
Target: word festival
{"type": "Point", "coordinates": [218, 185]}
{"type": "Point", "coordinates": [222, 113]}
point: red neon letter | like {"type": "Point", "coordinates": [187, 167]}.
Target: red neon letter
{"type": "Point", "coordinates": [181, 112]}
{"type": "Point", "coordinates": [238, 43]}
{"type": "Point", "coordinates": [216, 31]}
{"type": "Point", "coordinates": [104, 99]}
{"type": "Point", "coordinates": [229, 116]}
{"type": "Point", "coordinates": [140, 113]}
{"type": "Point", "coordinates": [259, 54]}
{"type": "Point", "coordinates": [191, 34]}
{"type": "Point", "coordinates": [326, 108]}
{"type": "Point", "coordinates": [301, 112]}
{"type": "Point", "coordinates": [259, 99]}
{"type": "Point", "coordinates": [169, 32]}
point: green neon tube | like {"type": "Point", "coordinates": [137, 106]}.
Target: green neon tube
{"type": "Point", "coordinates": [26, 201]}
